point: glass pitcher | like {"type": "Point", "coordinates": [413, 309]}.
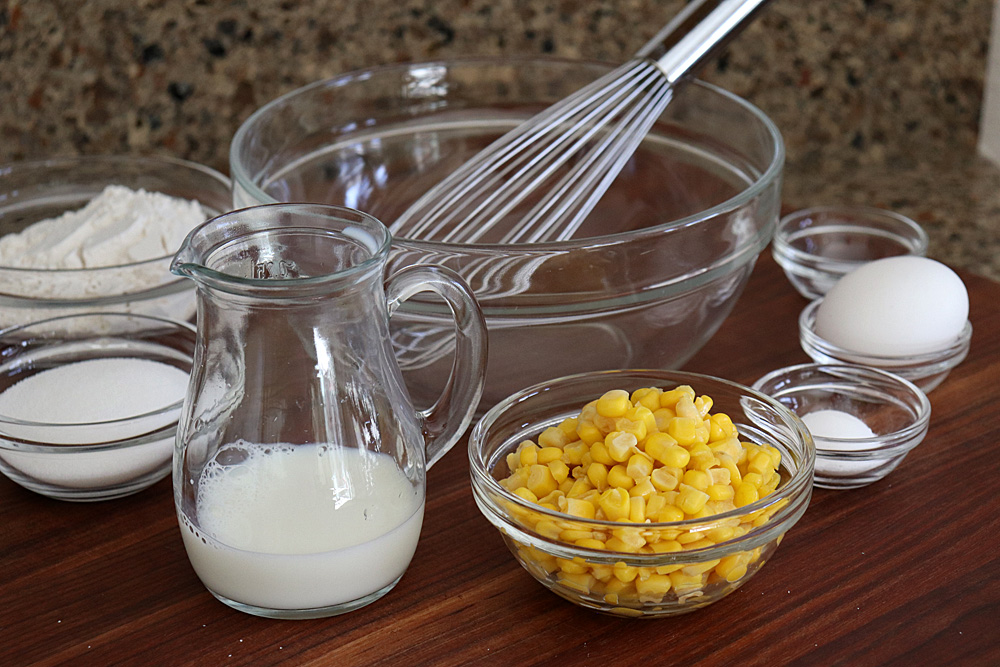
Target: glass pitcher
{"type": "Point", "coordinates": [300, 461]}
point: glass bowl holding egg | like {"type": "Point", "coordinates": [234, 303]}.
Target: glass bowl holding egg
{"type": "Point", "coordinates": [97, 233]}
{"type": "Point", "coordinates": [641, 493]}
{"type": "Point", "coordinates": [907, 315]}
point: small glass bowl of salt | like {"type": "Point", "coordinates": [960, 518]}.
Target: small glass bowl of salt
{"type": "Point", "coordinates": [89, 404]}
{"type": "Point", "coordinates": [863, 420]}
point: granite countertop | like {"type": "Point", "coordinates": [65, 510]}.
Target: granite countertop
{"type": "Point", "coordinates": [878, 101]}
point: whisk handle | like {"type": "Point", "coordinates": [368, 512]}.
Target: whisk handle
{"type": "Point", "coordinates": [698, 33]}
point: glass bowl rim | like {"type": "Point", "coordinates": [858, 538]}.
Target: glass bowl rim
{"type": "Point", "coordinates": [240, 176]}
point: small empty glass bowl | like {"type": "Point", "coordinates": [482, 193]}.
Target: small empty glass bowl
{"type": "Point", "coordinates": [894, 410]}
{"type": "Point", "coordinates": [817, 246]}
{"type": "Point", "coordinates": [58, 450]}
{"type": "Point", "coordinates": [38, 190]}
{"type": "Point", "coordinates": [652, 580]}
{"type": "Point", "coordinates": [926, 370]}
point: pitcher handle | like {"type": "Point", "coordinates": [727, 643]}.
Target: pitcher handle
{"type": "Point", "coordinates": [446, 420]}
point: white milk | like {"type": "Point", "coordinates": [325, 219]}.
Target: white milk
{"type": "Point", "coordinates": [302, 527]}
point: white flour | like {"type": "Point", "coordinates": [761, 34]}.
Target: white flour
{"type": "Point", "coordinates": [96, 248]}
{"type": "Point", "coordinates": [119, 226]}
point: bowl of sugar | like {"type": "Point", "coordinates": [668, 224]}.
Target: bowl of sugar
{"type": "Point", "coordinates": [89, 403]}
{"type": "Point", "coordinates": [96, 234]}
{"type": "Point", "coordinates": [864, 421]}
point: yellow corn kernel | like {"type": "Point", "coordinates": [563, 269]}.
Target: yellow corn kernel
{"type": "Point", "coordinates": [662, 418]}
{"type": "Point", "coordinates": [703, 513]}
{"type": "Point", "coordinates": [730, 446]}
{"type": "Point", "coordinates": [746, 493]}
{"type": "Point", "coordinates": [663, 480]}
{"type": "Point", "coordinates": [698, 479]}
{"type": "Point", "coordinates": [653, 587]}
{"type": "Point", "coordinates": [553, 436]}
{"type": "Point", "coordinates": [775, 455]}
{"type": "Point", "coordinates": [703, 404]}
{"type": "Point", "coordinates": [615, 503]}
{"type": "Point", "coordinates": [639, 467]}
{"type": "Point", "coordinates": [568, 426]}
{"type": "Point", "coordinates": [648, 398]}
{"type": "Point", "coordinates": [548, 528]}
{"type": "Point", "coordinates": [754, 479]}
{"type": "Point", "coordinates": [637, 509]}
{"type": "Point", "coordinates": [597, 473]}
{"type": "Point", "coordinates": [549, 454]}
{"type": "Point", "coordinates": [618, 477]}
{"type": "Point", "coordinates": [590, 543]}
{"type": "Point", "coordinates": [722, 427]}
{"type": "Point", "coordinates": [573, 452]}
{"type": "Point", "coordinates": [620, 444]}
{"type": "Point", "coordinates": [720, 492]}
{"type": "Point", "coordinates": [588, 432]}
{"type": "Point", "coordinates": [703, 543]}
{"type": "Point", "coordinates": [666, 547]}
{"type": "Point", "coordinates": [640, 414]}
{"type": "Point", "coordinates": [580, 487]}
{"type": "Point", "coordinates": [575, 566]}
{"type": "Point", "coordinates": [528, 453]}
{"type": "Point", "coordinates": [513, 460]}
{"type": "Point", "coordinates": [720, 475]}
{"type": "Point", "coordinates": [617, 587]}
{"type": "Point", "coordinates": [690, 537]}
{"type": "Point", "coordinates": [540, 480]}
{"type": "Point", "coordinates": [581, 508]}
{"type": "Point", "coordinates": [669, 514]}
{"type": "Point", "coordinates": [631, 537]}
{"type": "Point", "coordinates": [559, 470]}
{"type": "Point", "coordinates": [668, 399]}
{"type": "Point", "coordinates": [691, 500]}
{"type": "Point", "coordinates": [656, 444]}
{"type": "Point", "coordinates": [760, 463]}
{"type": "Point", "coordinates": [643, 489]}
{"type": "Point", "coordinates": [721, 506]}
{"type": "Point", "coordinates": [586, 459]}
{"type": "Point", "coordinates": [702, 457]}
{"type": "Point", "coordinates": [685, 583]}
{"type": "Point", "coordinates": [685, 408]}
{"type": "Point", "coordinates": [731, 568]}
{"type": "Point", "coordinates": [599, 453]}
{"type": "Point", "coordinates": [654, 503]}
{"type": "Point", "coordinates": [581, 583]}
{"type": "Point", "coordinates": [602, 573]}
{"type": "Point", "coordinates": [625, 573]}
{"type": "Point", "coordinates": [526, 494]}
{"type": "Point", "coordinates": [683, 430]}
{"type": "Point", "coordinates": [729, 463]}
{"type": "Point", "coordinates": [614, 403]}
{"type": "Point", "coordinates": [552, 498]}
{"type": "Point", "coordinates": [566, 485]}
{"type": "Point", "coordinates": [700, 568]}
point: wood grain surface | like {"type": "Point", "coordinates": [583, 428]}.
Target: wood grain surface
{"type": "Point", "coordinates": [903, 572]}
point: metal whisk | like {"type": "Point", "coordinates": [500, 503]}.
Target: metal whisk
{"type": "Point", "coordinates": [568, 155]}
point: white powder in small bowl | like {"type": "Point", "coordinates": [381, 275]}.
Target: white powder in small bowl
{"type": "Point", "coordinates": [92, 402]}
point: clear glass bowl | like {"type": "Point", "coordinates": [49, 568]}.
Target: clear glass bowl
{"type": "Point", "coordinates": [894, 409]}
{"type": "Point", "coordinates": [534, 534]}
{"type": "Point", "coordinates": [34, 191]}
{"type": "Point", "coordinates": [88, 461]}
{"type": "Point", "coordinates": [658, 265]}
{"type": "Point", "coordinates": [817, 246]}
{"type": "Point", "coordinates": [926, 371]}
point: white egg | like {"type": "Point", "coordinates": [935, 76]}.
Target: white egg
{"type": "Point", "coordinates": [894, 307]}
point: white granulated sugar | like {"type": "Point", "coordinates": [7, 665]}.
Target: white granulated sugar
{"type": "Point", "coordinates": [96, 390]}
{"type": "Point", "coordinates": [119, 226]}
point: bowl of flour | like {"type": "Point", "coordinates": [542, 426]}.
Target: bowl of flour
{"type": "Point", "coordinates": [96, 234]}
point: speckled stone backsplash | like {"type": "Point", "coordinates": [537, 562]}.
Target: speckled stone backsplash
{"type": "Point", "coordinates": [878, 100]}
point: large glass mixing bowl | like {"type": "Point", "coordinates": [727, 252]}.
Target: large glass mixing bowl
{"type": "Point", "coordinates": [652, 274]}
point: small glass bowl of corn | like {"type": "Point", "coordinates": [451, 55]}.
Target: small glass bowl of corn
{"type": "Point", "coordinates": [641, 493]}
